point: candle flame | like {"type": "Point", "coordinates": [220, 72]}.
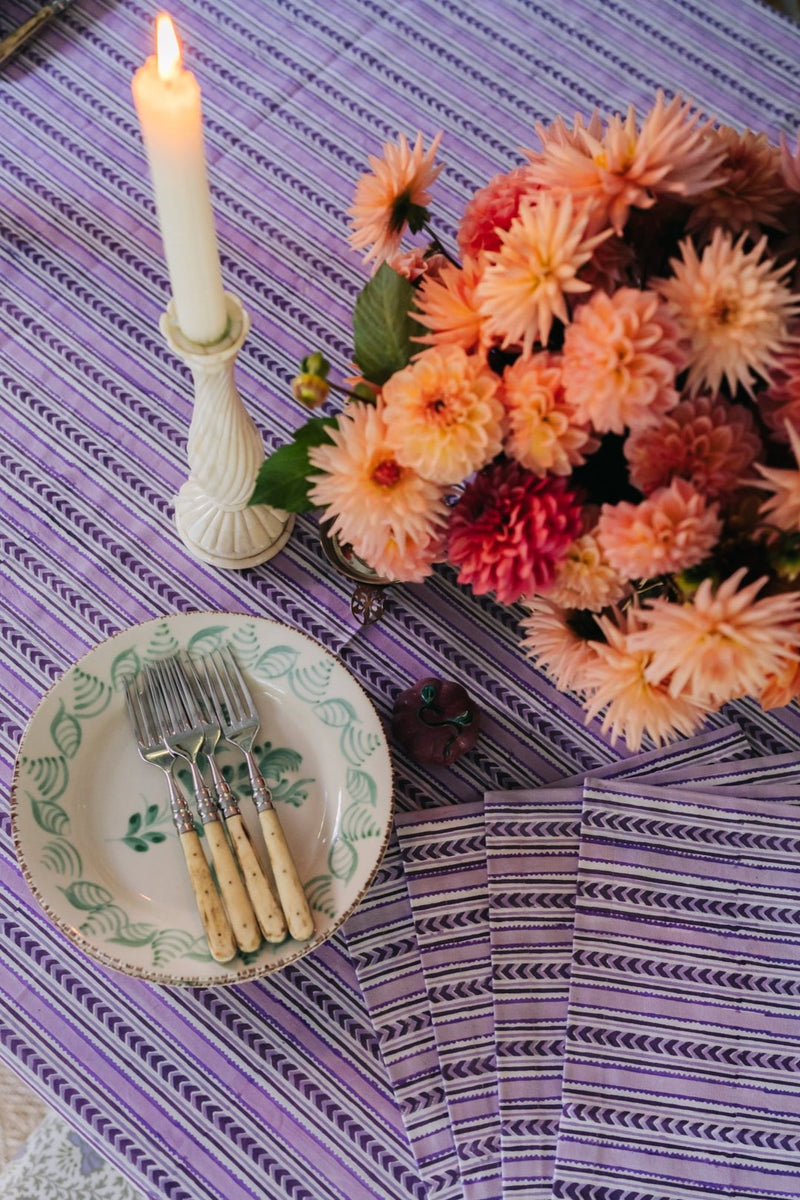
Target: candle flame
{"type": "Point", "coordinates": [168, 48]}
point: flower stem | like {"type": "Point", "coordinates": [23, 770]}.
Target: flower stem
{"type": "Point", "coordinates": [437, 245]}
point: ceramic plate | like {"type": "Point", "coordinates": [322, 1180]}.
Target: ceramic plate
{"type": "Point", "coordinates": [92, 824]}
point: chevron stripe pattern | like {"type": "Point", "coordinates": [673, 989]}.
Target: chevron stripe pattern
{"type": "Point", "coordinates": [533, 841]}
{"type": "Point", "coordinates": [683, 1024]}
{"type": "Point", "coordinates": [444, 857]}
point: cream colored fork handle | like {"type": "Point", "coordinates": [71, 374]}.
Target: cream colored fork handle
{"type": "Point", "coordinates": [267, 909]}
{"type": "Point", "coordinates": [293, 898]}
{"type": "Point", "coordinates": [217, 928]}
{"type": "Point", "coordinates": [237, 902]}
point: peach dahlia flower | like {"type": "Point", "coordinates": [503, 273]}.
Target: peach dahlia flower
{"type": "Point", "coordinates": [783, 506]}
{"type": "Point", "coordinates": [585, 578]}
{"type": "Point", "coordinates": [627, 166]}
{"type": "Point", "coordinates": [390, 515]}
{"type": "Point", "coordinates": [443, 415]}
{"type": "Point", "coordinates": [447, 306]}
{"type": "Point", "coordinates": [544, 433]}
{"type": "Point", "coordinates": [621, 354]}
{"type": "Point", "coordinates": [387, 195]}
{"type": "Point", "coordinates": [618, 680]}
{"type": "Point", "coordinates": [733, 307]}
{"type": "Point", "coordinates": [553, 645]}
{"type": "Point", "coordinates": [726, 643]}
{"type": "Point", "coordinates": [526, 282]}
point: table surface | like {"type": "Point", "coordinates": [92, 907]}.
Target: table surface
{"type": "Point", "coordinates": [275, 1087]}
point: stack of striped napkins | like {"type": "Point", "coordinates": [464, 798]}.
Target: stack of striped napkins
{"type": "Point", "coordinates": [592, 990]}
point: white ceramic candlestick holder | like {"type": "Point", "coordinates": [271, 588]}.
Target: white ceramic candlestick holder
{"type": "Point", "coordinates": [225, 451]}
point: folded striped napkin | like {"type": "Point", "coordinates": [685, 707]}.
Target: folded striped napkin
{"type": "Point", "coordinates": [532, 842]}
{"type": "Point", "coordinates": [682, 1060]}
{"type": "Point", "coordinates": [422, 943]}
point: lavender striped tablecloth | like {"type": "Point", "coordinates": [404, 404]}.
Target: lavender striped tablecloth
{"type": "Point", "coordinates": [285, 1087]}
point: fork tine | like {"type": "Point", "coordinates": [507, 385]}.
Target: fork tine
{"type": "Point", "coordinates": [190, 678]}
{"type": "Point", "coordinates": [175, 670]}
{"type": "Point", "coordinates": [173, 698]}
{"type": "Point", "coordinates": [132, 697]}
{"type": "Point", "coordinates": [154, 692]}
{"type": "Point", "coordinates": [237, 680]}
{"type": "Point", "coordinates": [219, 690]}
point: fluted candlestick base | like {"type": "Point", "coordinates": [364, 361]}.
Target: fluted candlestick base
{"type": "Point", "coordinates": [225, 451]}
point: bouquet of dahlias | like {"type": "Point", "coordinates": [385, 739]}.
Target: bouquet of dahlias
{"type": "Point", "coordinates": [593, 408]}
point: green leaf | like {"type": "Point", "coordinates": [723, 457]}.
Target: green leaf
{"type": "Point", "coordinates": [282, 480]}
{"type": "Point", "coordinates": [134, 822]}
{"type": "Point", "coordinates": [383, 325]}
{"type": "Point", "coordinates": [65, 731]}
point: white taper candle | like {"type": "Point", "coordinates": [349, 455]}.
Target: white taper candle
{"type": "Point", "coordinates": [168, 104]}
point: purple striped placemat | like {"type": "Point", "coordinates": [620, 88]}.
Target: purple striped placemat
{"type": "Point", "coordinates": [682, 1069]}
{"type": "Point", "coordinates": [532, 848]}
{"type": "Point", "coordinates": [444, 856]}
{"type": "Point", "coordinates": [421, 947]}
{"type": "Point", "coordinates": [383, 946]}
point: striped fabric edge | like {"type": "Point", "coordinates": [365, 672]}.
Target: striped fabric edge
{"type": "Point", "coordinates": [383, 946]}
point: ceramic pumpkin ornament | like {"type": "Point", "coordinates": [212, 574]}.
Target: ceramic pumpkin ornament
{"type": "Point", "coordinates": [435, 721]}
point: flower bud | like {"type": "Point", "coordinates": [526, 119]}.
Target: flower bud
{"type": "Point", "coordinates": [311, 390]}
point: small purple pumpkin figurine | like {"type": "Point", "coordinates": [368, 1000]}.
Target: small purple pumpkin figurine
{"type": "Point", "coordinates": [435, 721]}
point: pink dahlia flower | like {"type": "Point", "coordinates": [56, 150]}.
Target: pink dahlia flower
{"type": "Point", "coordinates": [673, 529]}
{"type": "Point", "coordinates": [510, 529]}
{"type": "Point", "coordinates": [779, 404]}
{"type": "Point", "coordinates": [726, 643]}
{"type": "Point", "coordinates": [492, 209]}
{"type": "Point", "coordinates": [543, 431]}
{"type": "Point", "coordinates": [708, 441]}
{"type": "Point", "coordinates": [416, 264]}
{"type": "Point", "coordinates": [621, 354]}
{"type": "Point", "coordinates": [751, 191]}
{"type": "Point", "coordinates": [617, 681]}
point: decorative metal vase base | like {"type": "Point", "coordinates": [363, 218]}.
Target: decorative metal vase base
{"type": "Point", "coordinates": [368, 599]}
{"type": "Point", "coordinates": [225, 451]}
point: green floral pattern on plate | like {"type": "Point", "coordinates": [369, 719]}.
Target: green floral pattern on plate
{"type": "Point", "coordinates": [327, 709]}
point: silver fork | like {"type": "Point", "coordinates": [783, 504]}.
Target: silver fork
{"type": "Point", "coordinates": [186, 741]}
{"type": "Point", "coordinates": [267, 909]}
{"type": "Point", "coordinates": [239, 722]}
{"type": "Point", "coordinates": [153, 750]}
